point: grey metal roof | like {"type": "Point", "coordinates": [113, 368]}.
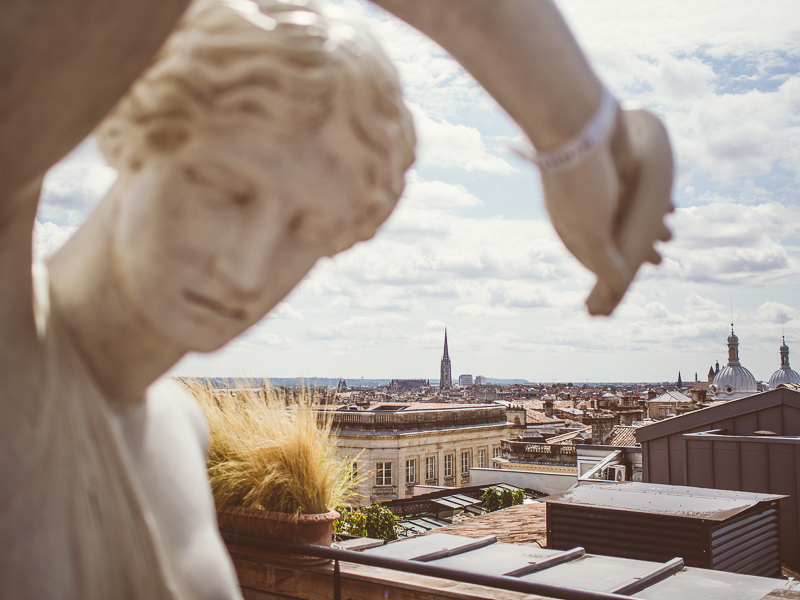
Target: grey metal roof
{"type": "Point", "coordinates": [672, 396]}
{"type": "Point", "coordinates": [576, 570]}
{"type": "Point", "coordinates": [712, 585]}
{"type": "Point", "coordinates": [669, 500]}
{"type": "Point", "coordinates": [423, 524]}
{"type": "Point", "coordinates": [457, 501]}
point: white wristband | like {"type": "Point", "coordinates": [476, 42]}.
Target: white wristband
{"type": "Point", "coordinates": [575, 151]}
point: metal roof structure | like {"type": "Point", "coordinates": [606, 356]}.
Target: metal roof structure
{"type": "Point", "coordinates": [725, 446]}
{"type": "Point", "coordinates": [708, 528]}
{"type": "Point", "coordinates": [441, 501]}
{"type": "Point", "coordinates": [672, 396]}
{"type": "Point", "coordinates": [574, 571]}
{"type": "Point", "coordinates": [456, 501]}
{"type": "Point", "coordinates": [419, 525]}
{"type": "Point", "coordinates": [668, 500]}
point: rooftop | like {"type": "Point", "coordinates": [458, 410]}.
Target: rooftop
{"type": "Point", "coordinates": [672, 396]}
{"type": "Point", "coordinates": [416, 416]}
{"type": "Point", "coordinates": [566, 438]}
{"type": "Point", "coordinates": [521, 524]}
{"type": "Point", "coordinates": [623, 436]}
{"type": "Point", "coordinates": [669, 500]}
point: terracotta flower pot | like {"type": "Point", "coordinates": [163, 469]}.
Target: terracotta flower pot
{"type": "Point", "coordinates": [305, 529]}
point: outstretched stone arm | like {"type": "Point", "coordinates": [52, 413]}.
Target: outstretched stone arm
{"type": "Point", "coordinates": [608, 209]}
{"type": "Point", "coordinates": [63, 65]}
{"type": "Point", "coordinates": [522, 52]}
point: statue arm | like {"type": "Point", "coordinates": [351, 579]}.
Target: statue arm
{"type": "Point", "coordinates": [608, 210]}
{"type": "Point", "coordinates": [63, 65]}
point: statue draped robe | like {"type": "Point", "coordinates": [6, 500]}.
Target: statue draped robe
{"type": "Point", "coordinates": [71, 499]}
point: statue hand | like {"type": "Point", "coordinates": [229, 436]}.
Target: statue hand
{"type": "Point", "coordinates": [609, 209]}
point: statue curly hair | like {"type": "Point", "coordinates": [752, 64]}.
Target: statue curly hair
{"type": "Point", "coordinates": [287, 68]}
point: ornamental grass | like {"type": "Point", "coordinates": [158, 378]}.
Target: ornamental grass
{"type": "Point", "coordinates": [272, 452]}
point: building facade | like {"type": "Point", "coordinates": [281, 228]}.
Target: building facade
{"type": "Point", "coordinates": [464, 380]}
{"type": "Point", "coordinates": [399, 446]}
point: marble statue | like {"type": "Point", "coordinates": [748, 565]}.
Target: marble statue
{"type": "Point", "coordinates": [258, 141]}
{"type": "Point", "coordinates": [262, 137]}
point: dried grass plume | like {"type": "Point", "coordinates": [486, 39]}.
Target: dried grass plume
{"type": "Point", "coordinates": [265, 454]}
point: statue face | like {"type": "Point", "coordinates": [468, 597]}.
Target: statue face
{"type": "Point", "coordinates": [212, 236]}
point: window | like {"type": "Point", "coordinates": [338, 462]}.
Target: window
{"type": "Point", "coordinates": [430, 468]}
{"type": "Point", "coordinates": [495, 452]}
{"type": "Point", "coordinates": [383, 474]}
{"type": "Point", "coordinates": [481, 458]}
{"type": "Point", "coordinates": [411, 471]}
{"type": "Point", "coordinates": [464, 463]}
{"type": "Point", "coordinates": [352, 471]}
{"type": "Point", "coordinates": [448, 465]}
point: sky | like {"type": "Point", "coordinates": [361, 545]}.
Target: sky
{"type": "Point", "coordinates": [470, 247]}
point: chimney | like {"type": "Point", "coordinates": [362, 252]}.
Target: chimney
{"type": "Point", "coordinates": [698, 395]}
{"type": "Point", "coordinates": [601, 427]}
{"type": "Point", "coordinates": [548, 407]}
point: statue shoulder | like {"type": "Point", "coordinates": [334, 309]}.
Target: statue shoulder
{"type": "Point", "coordinates": [168, 399]}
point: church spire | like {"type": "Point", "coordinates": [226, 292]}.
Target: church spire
{"type": "Point", "coordinates": [445, 372]}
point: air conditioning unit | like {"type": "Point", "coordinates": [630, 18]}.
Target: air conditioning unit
{"type": "Point", "coordinates": [617, 473]}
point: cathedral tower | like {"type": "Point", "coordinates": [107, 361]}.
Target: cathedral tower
{"type": "Point", "coordinates": [445, 372]}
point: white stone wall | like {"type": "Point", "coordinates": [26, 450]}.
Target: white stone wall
{"type": "Point", "coordinates": [418, 445]}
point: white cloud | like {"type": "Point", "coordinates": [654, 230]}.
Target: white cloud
{"type": "Point", "coordinates": [732, 243]}
{"type": "Point", "coordinates": [284, 310]}
{"type": "Point", "coordinates": [480, 310]}
{"type": "Point", "coordinates": [74, 185]}
{"type": "Point", "coordinates": [444, 144]}
{"type": "Point", "coordinates": [724, 78]}
{"type": "Point", "coordinates": [437, 194]}
{"type": "Point", "coordinates": [49, 237]}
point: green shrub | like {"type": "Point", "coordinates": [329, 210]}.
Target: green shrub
{"type": "Point", "coordinates": [374, 521]}
{"type": "Point", "coordinates": [497, 498]}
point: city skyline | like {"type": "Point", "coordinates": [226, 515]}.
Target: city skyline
{"type": "Point", "coordinates": [470, 246]}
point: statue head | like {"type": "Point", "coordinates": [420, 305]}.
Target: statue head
{"type": "Point", "coordinates": [263, 137]}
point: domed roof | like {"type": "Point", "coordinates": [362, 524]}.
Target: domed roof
{"type": "Point", "coordinates": [732, 381]}
{"type": "Point", "coordinates": [783, 376]}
